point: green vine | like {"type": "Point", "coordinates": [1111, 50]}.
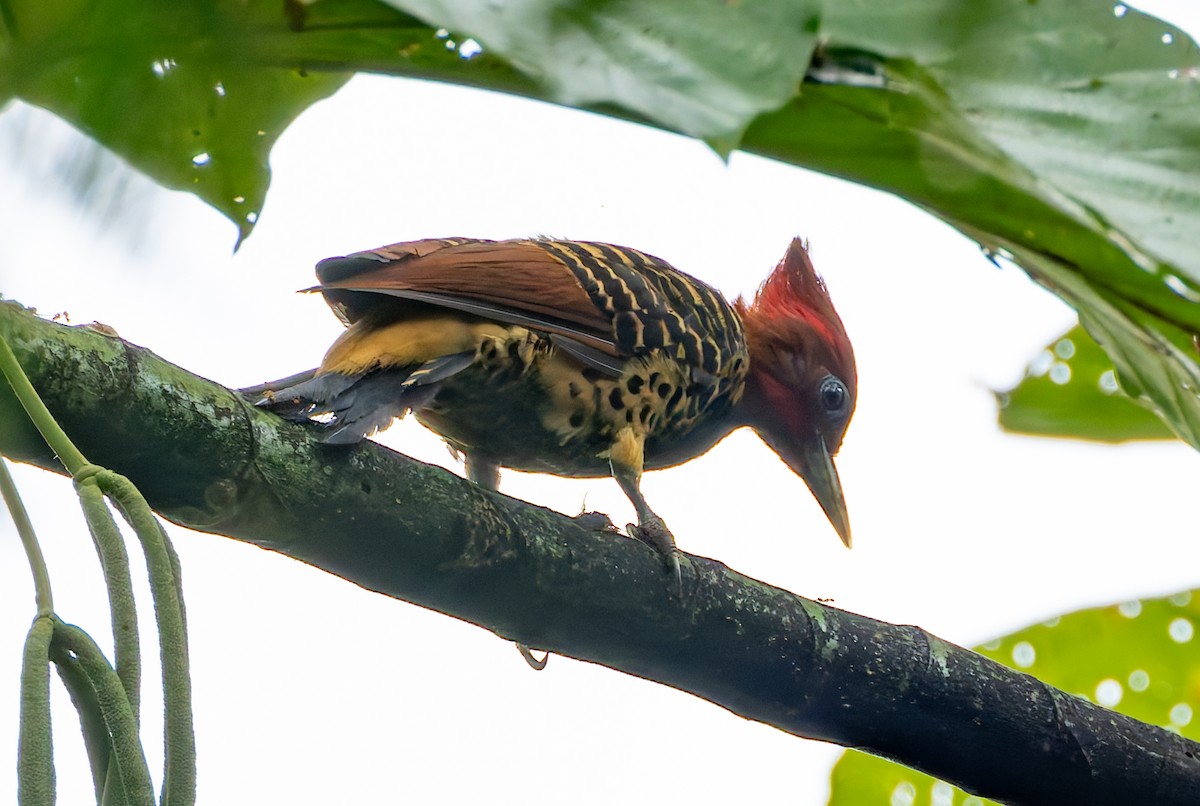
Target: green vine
{"type": "Point", "coordinates": [41, 417]}
{"type": "Point", "coordinates": [107, 699]}
{"type": "Point", "coordinates": [35, 747]}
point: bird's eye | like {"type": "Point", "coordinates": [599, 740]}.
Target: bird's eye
{"type": "Point", "coordinates": [834, 397]}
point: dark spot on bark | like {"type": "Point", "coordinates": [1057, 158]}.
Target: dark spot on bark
{"type": "Point", "coordinates": [221, 494]}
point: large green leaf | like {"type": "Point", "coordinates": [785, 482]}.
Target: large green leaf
{"type": "Point", "coordinates": [178, 89]}
{"type": "Point", "coordinates": [1141, 658]}
{"type": "Point", "coordinates": [1060, 134]}
{"type": "Point", "coordinates": [1071, 390]}
{"type": "Point", "coordinates": [196, 92]}
{"type": "Point", "coordinates": [699, 67]}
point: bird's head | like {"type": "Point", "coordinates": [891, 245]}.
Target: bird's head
{"type": "Point", "coordinates": [802, 383]}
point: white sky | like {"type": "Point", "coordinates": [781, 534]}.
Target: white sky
{"type": "Point", "coordinates": [310, 690]}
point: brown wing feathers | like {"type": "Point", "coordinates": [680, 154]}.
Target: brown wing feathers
{"type": "Point", "coordinates": [510, 282]}
{"type": "Point", "coordinates": [517, 282]}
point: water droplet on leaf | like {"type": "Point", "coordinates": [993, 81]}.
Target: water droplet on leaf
{"type": "Point", "coordinates": [1109, 693]}
{"type": "Point", "coordinates": [1181, 631]}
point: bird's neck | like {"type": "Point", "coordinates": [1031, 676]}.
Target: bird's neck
{"type": "Point", "coordinates": [756, 409]}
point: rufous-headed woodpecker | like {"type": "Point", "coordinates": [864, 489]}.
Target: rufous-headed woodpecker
{"type": "Point", "coordinates": [580, 359]}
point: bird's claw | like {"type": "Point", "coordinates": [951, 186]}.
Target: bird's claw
{"type": "Point", "coordinates": [655, 533]}
{"type": "Point", "coordinates": [534, 663]}
{"type": "Point", "coordinates": [674, 563]}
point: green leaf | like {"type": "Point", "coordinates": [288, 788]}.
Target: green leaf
{"type": "Point", "coordinates": [698, 67]}
{"type": "Point", "coordinates": [179, 90]}
{"type": "Point", "coordinates": [1071, 390]}
{"type": "Point", "coordinates": [1141, 658]}
{"type": "Point", "coordinates": [195, 93]}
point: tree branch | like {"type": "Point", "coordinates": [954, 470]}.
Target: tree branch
{"type": "Point", "coordinates": [207, 460]}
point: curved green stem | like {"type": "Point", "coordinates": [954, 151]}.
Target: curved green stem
{"type": "Point", "coordinates": [114, 561]}
{"type": "Point", "coordinates": [37, 562]}
{"type": "Point", "coordinates": [55, 437]}
{"type": "Point", "coordinates": [115, 708]}
{"type": "Point", "coordinates": [76, 652]}
{"type": "Point", "coordinates": [35, 747]}
{"type": "Point", "coordinates": [35, 753]}
{"type": "Point", "coordinates": [91, 720]}
{"type": "Point", "coordinates": [179, 777]}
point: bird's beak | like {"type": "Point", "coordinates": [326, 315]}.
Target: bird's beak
{"type": "Point", "coordinates": [815, 465]}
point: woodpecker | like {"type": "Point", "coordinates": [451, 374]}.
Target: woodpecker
{"type": "Point", "coordinates": [579, 359]}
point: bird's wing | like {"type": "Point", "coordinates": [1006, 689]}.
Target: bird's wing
{"type": "Point", "coordinates": [515, 282]}
{"type": "Point", "coordinates": [599, 302]}
{"type": "Point", "coordinates": [656, 307]}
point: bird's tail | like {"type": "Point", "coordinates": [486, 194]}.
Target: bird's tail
{"type": "Point", "coordinates": [348, 408]}
{"type": "Point", "coordinates": [256, 393]}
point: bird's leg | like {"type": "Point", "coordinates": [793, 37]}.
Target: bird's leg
{"type": "Point", "coordinates": [626, 459]}
{"type": "Point", "coordinates": [483, 472]}
{"type": "Point", "coordinates": [487, 475]}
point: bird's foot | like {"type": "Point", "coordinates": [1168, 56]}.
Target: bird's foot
{"type": "Point", "coordinates": [537, 664]}
{"type": "Point", "coordinates": [654, 532]}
